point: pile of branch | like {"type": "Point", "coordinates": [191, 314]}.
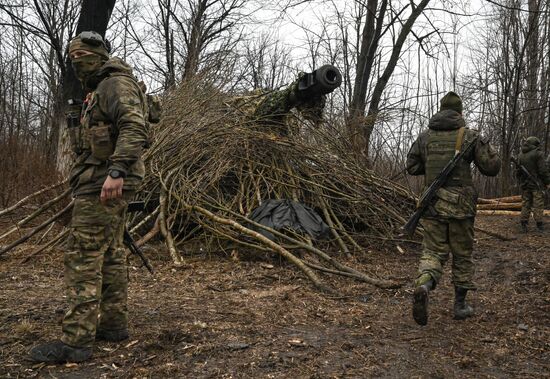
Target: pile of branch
{"type": "Point", "coordinates": [24, 229]}
{"type": "Point", "coordinates": [212, 163]}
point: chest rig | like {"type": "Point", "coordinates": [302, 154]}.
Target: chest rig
{"type": "Point", "coordinates": [441, 146]}
{"type": "Point", "coordinates": [91, 136]}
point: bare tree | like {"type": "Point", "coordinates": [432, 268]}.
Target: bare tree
{"type": "Point", "coordinates": [194, 33]}
{"type": "Point", "coordinates": [514, 85]}
{"type": "Point", "coordinates": [373, 31]}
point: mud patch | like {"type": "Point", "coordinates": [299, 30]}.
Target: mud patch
{"type": "Point", "coordinates": [220, 317]}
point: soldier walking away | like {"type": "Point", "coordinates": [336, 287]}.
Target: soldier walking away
{"type": "Point", "coordinates": [532, 182]}
{"type": "Point", "coordinates": [449, 223]}
{"type": "Point", "coordinates": [108, 143]}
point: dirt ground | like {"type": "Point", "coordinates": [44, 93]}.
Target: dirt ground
{"type": "Point", "coordinates": [227, 317]}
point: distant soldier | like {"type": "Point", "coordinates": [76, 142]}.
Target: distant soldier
{"type": "Point", "coordinates": [105, 176]}
{"type": "Point", "coordinates": [449, 225]}
{"type": "Point", "coordinates": [532, 184]}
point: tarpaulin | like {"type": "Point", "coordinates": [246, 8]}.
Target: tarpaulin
{"type": "Point", "coordinates": [289, 214]}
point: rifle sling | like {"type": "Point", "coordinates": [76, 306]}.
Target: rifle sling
{"type": "Point", "coordinates": [459, 140]}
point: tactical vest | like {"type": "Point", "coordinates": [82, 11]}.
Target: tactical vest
{"type": "Point", "coordinates": [97, 136]}
{"type": "Point", "coordinates": [440, 149]}
{"type": "Point", "coordinates": [530, 160]}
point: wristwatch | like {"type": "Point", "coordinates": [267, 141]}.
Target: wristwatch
{"type": "Point", "coordinates": [115, 174]}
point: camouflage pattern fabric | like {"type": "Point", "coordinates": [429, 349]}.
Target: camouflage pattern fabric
{"type": "Point", "coordinates": [532, 158]}
{"type": "Point", "coordinates": [449, 226]}
{"type": "Point", "coordinates": [532, 201]}
{"type": "Point", "coordinates": [95, 270]}
{"type": "Point", "coordinates": [114, 131]}
{"type": "Point", "coordinates": [276, 106]}
{"type": "Point", "coordinates": [434, 148]}
{"type": "Point", "coordinates": [442, 237]}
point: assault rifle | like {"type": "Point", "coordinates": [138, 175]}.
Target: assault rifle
{"type": "Point", "coordinates": [136, 206]}
{"type": "Point", "coordinates": [527, 174]}
{"type": "Point", "coordinates": [429, 196]}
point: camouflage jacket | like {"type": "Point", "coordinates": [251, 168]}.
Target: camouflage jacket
{"type": "Point", "coordinates": [533, 160]}
{"type": "Point", "coordinates": [435, 147]}
{"type": "Point", "coordinates": [113, 131]}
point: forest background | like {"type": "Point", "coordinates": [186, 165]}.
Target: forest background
{"type": "Point", "coordinates": [398, 58]}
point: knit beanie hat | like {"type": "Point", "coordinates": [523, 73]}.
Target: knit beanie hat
{"type": "Point", "coordinates": [451, 101]}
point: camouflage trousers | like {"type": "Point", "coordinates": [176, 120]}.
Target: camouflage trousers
{"type": "Point", "coordinates": [442, 236]}
{"type": "Point", "coordinates": [95, 270]}
{"type": "Point", "coordinates": [532, 201]}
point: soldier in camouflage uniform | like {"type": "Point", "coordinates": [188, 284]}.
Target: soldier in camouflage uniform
{"type": "Point", "coordinates": [449, 225]}
{"type": "Point", "coordinates": [532, 188]}
{"type": "Point", "coordinates": [105, 176]}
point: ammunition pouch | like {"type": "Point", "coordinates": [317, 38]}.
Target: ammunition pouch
{"type": "Point", "coordinates": [74, 127]}
{"type": "Point", "coordinates": [101, 142]}
{"type": "Point", "coordinates": [456, 202]}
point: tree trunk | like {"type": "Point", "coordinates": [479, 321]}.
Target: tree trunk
{"type": "Point", "coordinates": [195, 42]}
{"type": "Point", "coordinates": [95, 15]}
{"type": "Point", "coordinates": [383, 80]}
{"type": "Point", "coordinates": [360, 126]}
{"type": "Point", "coordinates": [533, 121]}
{"type": "Point", "coordinates": [369, 45]}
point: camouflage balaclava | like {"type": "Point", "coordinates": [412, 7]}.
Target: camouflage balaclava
{"type": "Point", "coordinates": [87, 65]}
{"type": "Point", "coordinates": [451, 101]}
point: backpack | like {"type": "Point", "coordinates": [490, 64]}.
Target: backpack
{"type": "Point", "coordinates": [154, 105]}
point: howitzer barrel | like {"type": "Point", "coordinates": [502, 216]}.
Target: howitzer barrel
{"type": "Point", "coordinates": [322, 81]}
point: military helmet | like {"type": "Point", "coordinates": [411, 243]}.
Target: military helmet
{"type": "Point", "coordinates": [91, 41]}
{"type": "Point", "coordinates": [451, 101]}
{"type": "Point", "coordinates": [534, 141]}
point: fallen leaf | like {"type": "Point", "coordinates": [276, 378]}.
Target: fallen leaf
{"type": "Point", "coordinates": [131, 344]}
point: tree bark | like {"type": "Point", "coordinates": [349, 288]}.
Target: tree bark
{"type": "Point", "coordinates": [361, 127]}
{"type": "Point", "coordinates": [390, 67]}
{"type": "Point", "coordinates": [95, 15]}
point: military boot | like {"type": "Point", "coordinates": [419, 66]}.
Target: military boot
{"type": "Point", "coordinates": [540, 226]}
{"type": "Point", "coordinates": [420, 302]}
{"type": "Point", "coordinates": [111, 335]}
{"type": "Point", "coordinates": [462, 310]}
{"type": "Point", "coordinates": [524, 226]}
{"type": "Point", "coordinates": [59, 352]}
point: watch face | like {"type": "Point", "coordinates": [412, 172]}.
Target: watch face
{"type": "Point", "coordinates": [114, 174]}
